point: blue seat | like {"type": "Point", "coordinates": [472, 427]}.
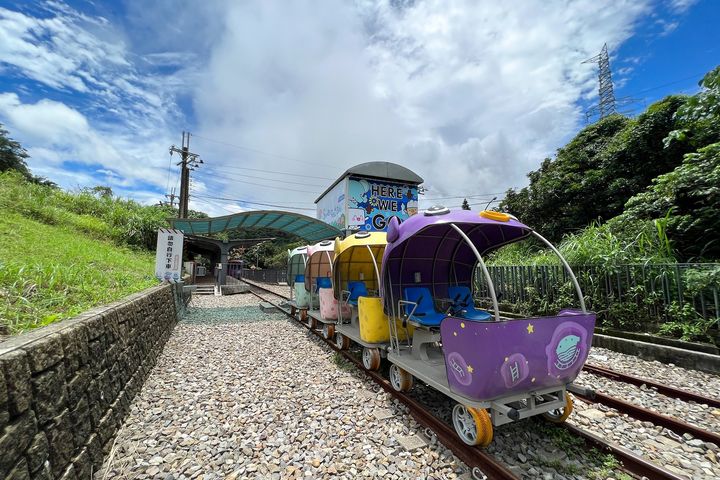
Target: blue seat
{"type": "Point", "coordinates": [464, 305]}
{"type": "Point", "coordinates": [323, 282]}
{"type": "Point", "coordinates": [299, 278]}
{"type": "Point", "coordinates": [357, 289]}
{"type": "Point", "coordinates": [425, 313]}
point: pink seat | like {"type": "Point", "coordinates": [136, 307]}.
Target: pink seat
{"type": "Point", "coordinates": [329, 305]}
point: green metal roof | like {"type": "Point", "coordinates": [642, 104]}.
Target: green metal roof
{"type": "Point", "coordinates": [307, 228]}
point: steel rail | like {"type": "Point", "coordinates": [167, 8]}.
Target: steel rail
{"type": "Point", "coordinates": [472, 456]}
{"type": "Point", "coordinates": [641, 413]}
{"type": "Point", "coordinates": [631, 462]}
{"type": "Point", "coordinates": [660, 388]}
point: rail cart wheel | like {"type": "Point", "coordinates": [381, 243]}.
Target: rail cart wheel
{"type": "Point", "coordinates": [371, 358]}
{"type": "Point", "coordinates": [293, 311]}
{"type": "Point", "coordinates": [401, 380]}
{"type": "Point", "coordinates": [328, 331]}
{"type": "Point", "coordinates": [303, 315]}
{"type": "Point", "coordinates": [342, 342]}
{"type": "Point", "coordinates": [313, 323]}
{"type": "Point", "coordinates": [559, 415]}
{"type": "Point", "coordinates": [473, 425]}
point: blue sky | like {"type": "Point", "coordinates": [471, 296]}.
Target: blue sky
{"type": "Point", "coordinates": [281, 97]}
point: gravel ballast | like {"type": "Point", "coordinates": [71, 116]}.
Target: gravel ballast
{"type": "Point", "coordinates": [241, 394]}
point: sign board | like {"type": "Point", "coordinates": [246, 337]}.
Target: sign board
{"type": "Point", "coordinates": [168, 256]}
{"type": "Point", "coordinates": [331, 207]}
{"type": "Point", "coordinates": [371, 203]}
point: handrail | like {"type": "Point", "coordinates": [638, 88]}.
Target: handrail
{"type": "Point", "coordinates": [374, 261]}
{"type": "Point", "coordinates": [489, 281]}
{"type": "Point", "coordinates": [567, 267]}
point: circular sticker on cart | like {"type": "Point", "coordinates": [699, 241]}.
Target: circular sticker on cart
{"type": "Point", "coordinates": [459, 368]}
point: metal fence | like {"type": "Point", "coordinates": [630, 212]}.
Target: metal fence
{"type": "Point", "coordinates": [621, 294]}
{"type": "Point", "coordinates": [653, 288]}
{"type": "Point", "coordinates": [261, 276]}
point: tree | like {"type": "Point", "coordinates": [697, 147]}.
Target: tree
{"type": "Point", "coordinates": [12, 155]}
{"type": "Point", "coordinates": [465, 204]}
{"type": "Point", "coordinates": [698, 120]}
{"type": "Point", "coordinates": [593, 176]}
{"type": "Point", "coordinates": [687, 200]}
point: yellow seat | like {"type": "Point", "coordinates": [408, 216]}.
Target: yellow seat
{"type": "Point", "coordinates": [374, 326]}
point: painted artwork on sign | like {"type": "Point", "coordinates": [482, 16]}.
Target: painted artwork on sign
{"type": "Point", "coordinates": [331, 207]}
{"type": "Point", "coordinates": [372, 203]}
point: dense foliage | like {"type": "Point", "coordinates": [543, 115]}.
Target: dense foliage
{"type": "Point", "coordinates": [598, 171]}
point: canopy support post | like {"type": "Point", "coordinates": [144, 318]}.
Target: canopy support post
{"type": "Point", "coordinates": [567, 268]}
{"type": "Point", "coordinates": [489, 281]}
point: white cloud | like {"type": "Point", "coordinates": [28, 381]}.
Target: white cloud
{"type": "Point", "coordinates": [58, 133]}
{"type": "Point", "coordinates": [681, 6]}
{"type": "Point", "coordinates": [470, 95]}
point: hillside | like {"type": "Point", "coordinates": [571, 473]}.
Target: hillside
{"type": "Point", "coordinates": [62, 253]}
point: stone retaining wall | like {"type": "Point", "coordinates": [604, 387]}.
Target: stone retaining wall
{"type": "Point", "coordinates": [66, 388]}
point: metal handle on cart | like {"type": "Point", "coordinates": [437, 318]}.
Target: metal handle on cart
{"type": "Point", "coordinates": [567, 267]}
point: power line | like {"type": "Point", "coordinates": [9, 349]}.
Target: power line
{"type": "Point", "coordinates": [253, 203]}
{"type": "Point", "coordinates": [276, 172]}
{"type": "Point", "coordinates": [466, 196]}
{"type": "Point", "coordinates": [273, 186]}
{"type": "Point", "coordinates": [261, 152]}
{"type": "Point", "coordinates": [233, 174]}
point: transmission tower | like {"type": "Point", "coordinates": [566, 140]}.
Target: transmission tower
{"type": "Point", "coordinates": [607, 104]}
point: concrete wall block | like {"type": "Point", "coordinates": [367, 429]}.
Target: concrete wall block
{"type": "Point", "coordinates": [97, 355]}
{"type": "Point", "coordinates": [61, 443]}
{"type": "Point", "coordinates": [49, 394]}
{"type": "Point", "coordinates": [83, 464]}
{"type": "Point", "coordinates": [95, 327]}
{"type": "Point", "coordinates": [69, 473]}
{"type": "Point", "coordinates": [17, 374]}
{"type": "Point", "coordinates": [15, 439]}
{"type": "Point", "coordinates": [94, 449]}
{"type": "Point", "coordinates": [77, 387]}
{"type": "Point", "coordinates": [106, 427]}
{"type": "Point", "coordinates": [38, 452]}
{"type": "Point", "coordinates": [44, 353]}
{"type": "Point", "coordinates": [75, 346]}
{"type": "Point", "coordinates": [19, 472]}
{"type": "Point", "coordinates": [81, 421]}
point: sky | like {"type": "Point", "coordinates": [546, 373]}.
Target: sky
{"type": "Point", "coordinates": [282, 97]}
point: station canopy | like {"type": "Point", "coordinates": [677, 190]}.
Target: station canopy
{"type": "Point", "coordinates": [307, 228]}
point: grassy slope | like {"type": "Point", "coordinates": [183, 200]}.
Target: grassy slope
{"type": "Point", "coordinates": [50, 272]}
{"type": "Point", "coordinates": [62, 252]}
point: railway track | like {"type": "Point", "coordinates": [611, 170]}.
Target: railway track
{"type": "Point", "coordinates": [485, 466]}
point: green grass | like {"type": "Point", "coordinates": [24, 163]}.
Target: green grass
{"type": "Point", "coordinates": [51, 272]}
{"type": "Point", "coordinates": [62, 252]}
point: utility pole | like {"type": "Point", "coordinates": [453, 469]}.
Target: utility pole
{"type": "Point", "coordinates": [189, 161]}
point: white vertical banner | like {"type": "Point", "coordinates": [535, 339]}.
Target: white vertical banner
{"type": "Point", "coordinates": [168, 257]}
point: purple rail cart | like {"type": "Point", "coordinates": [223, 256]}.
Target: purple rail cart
{"type": "Point", "coordinates": [497, 369]}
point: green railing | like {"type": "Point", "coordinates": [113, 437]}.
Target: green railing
{"type": "Point", "coordinates": [635, 297]}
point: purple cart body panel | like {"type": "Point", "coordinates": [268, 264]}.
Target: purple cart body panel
{"type": "Point", "coordinates": [487, 360]}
